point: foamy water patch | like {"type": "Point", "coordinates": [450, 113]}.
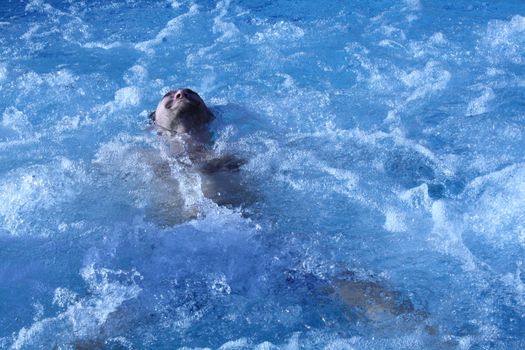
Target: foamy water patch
{"type": "Point", "coordinates": [70, 26]}
{"type": "Point", "coordinates": [29, 82]}
{"type": "Point", "coordinates": [16, 121]}
{"type": "Point", "coordinates": [102, 45]}
{"type": "Point", "coordinates": [447, 235]}
{"type": "Point", "coordinates": [137, 74]}
{"type": "Point", "coordinates": [413, 9]}
{"type": "Point", "coordinates": [83, 320]}
{"type": "Point", "coordinates": [432, 78]}
{"type": "Point", "coordinates": [394, 221]}
{"type": "Point", "coordinates": [127, 96]}
{"type": "Point", "coordinates": [228, 30]}
{"type": "Point", "coordinates": [316, 339]}
{"type": "Point", "coordinates": [29, 195]}
{"type": "Point", "coordinates": [505, 40]}
{"type": "Point", "coordinates": [435, 46]}
{"type": "Point", "coordinates": [359, 173]}
{"type": "Point", "coordinates": [62, 77]}
{"type": "Point", "coordinates": [174, 27]}
{"type": "Point", "coordinates": [481, 104]}
{"type": "Point", "coordinates": [417, 197]}
{"type": "Point", "coordinates": [277, 33]}
{"type": "Point", "coordinates": [59, 84]}
{"type": "Point", "coordinates": [394, 175]}
{"type": "Point", "coordinates": [3, 72]}
{"type": "Point", "coordinates": [515, 282]}
{"type": "Point", "coordinates": [498, 208]}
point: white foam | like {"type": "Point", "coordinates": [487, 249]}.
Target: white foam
{"type": "Point", "coordinates": [431, 79]}
{"type": "Point", "coordinates": [35, 5]}
{"type": "Point", "coordinates": [39, 312]}
{"type": "Point", "coordinates": [29, 82]}
{"type": "Point", "coordinates": [431, 47]}
{"type": "Point", "coordinates": [128, 96]}
{"type": "Point", "coordinates": [136, 75]}
{"type": "Point", "coordinates": [17, 121]}
{"type": "Point", "coordinates": [3, 72]}
{"type": "Point", "coordinates": [394, 221]}
{"type": "Point", "coordinates": [175, 4]}
{"type": "Point", "coordinates": [515, 282]}
{"type": "Point", "coordinates": [502, 33]}
{"type": "Point", "coordinates": [391, 43]}
{"type": "Point", "coordinates": [174, 198]}
{"type": "Point", "coordinates": [220, 285]}
{"type": "Point", "coordinates": [505, 39]}
{"type": "Point", "coordinates": [31, 32]}
{"type": "Point", "coordinates": [60, 78]}
{"type": "Point", "coordinates": [438, 39]}
{"type": "Point", "coordinates": [278, 32]}
{"type": "Point", "coordinates": [241, 343]}
{"type": "Point", "coordinates": [173, 26]}
{"type": "Point", "coordinates": [412, 8]}
{"type": "Point", "coordinates": [63, 297]}
{"type": "Point", "coordinates": [480, 104]}
{"type": "Point", "coordinates": [448, 235]}
{"type": "Point", "coordinates": [413, 5]}
{"type": "Point", "coordinates": [70, 26]}
{"type": "Point", "coordinates": [228, 30]}
{"type": "Point", "coordinates": [67, 123]}
{"type": "Point", "coordinates": [26, 193]}
{"type": "Point", "coordinates": [100, 45]}
{"type": "Point", "coordinates": [498, 209]}
{"type": "Point", "coordinates": [124, 155]}
{"type": "Point", "coordinates": [83, 319]}
{"type": "Point", "coordinates": [417, 197]}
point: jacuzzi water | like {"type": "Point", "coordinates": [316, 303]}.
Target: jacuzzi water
{"type": "Point", "coordinates": [383, 139]}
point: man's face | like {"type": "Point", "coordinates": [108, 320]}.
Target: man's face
{"type": "Point", "coordinates": [182, 110]}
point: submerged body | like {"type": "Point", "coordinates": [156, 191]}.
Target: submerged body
{"type": "Point", "coordinates": [182, 119]}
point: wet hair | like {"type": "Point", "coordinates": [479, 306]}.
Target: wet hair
{"type": "Point", "coordinates": [151, 117]}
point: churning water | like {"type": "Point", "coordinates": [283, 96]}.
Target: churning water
{"type": "Point", "coordinates": [385, 147]}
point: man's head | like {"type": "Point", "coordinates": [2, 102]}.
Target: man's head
{"type": "Point", "coordinates": [181, 110]}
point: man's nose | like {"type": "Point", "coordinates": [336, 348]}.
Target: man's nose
{"type": "Point", "coordinates": [180, 94]}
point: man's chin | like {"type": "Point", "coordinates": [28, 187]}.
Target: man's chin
{"type": "Point", "coordinates": [186, 108]}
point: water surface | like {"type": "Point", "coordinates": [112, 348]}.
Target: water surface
{"type": "Point", "coordinates": [384, 139]}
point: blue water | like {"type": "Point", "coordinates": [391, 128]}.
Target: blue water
{"type": "Point", "coordinates": [384, 140]}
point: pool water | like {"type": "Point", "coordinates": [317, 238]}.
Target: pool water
{"type": "Point", "coordinates": [384, 145]}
